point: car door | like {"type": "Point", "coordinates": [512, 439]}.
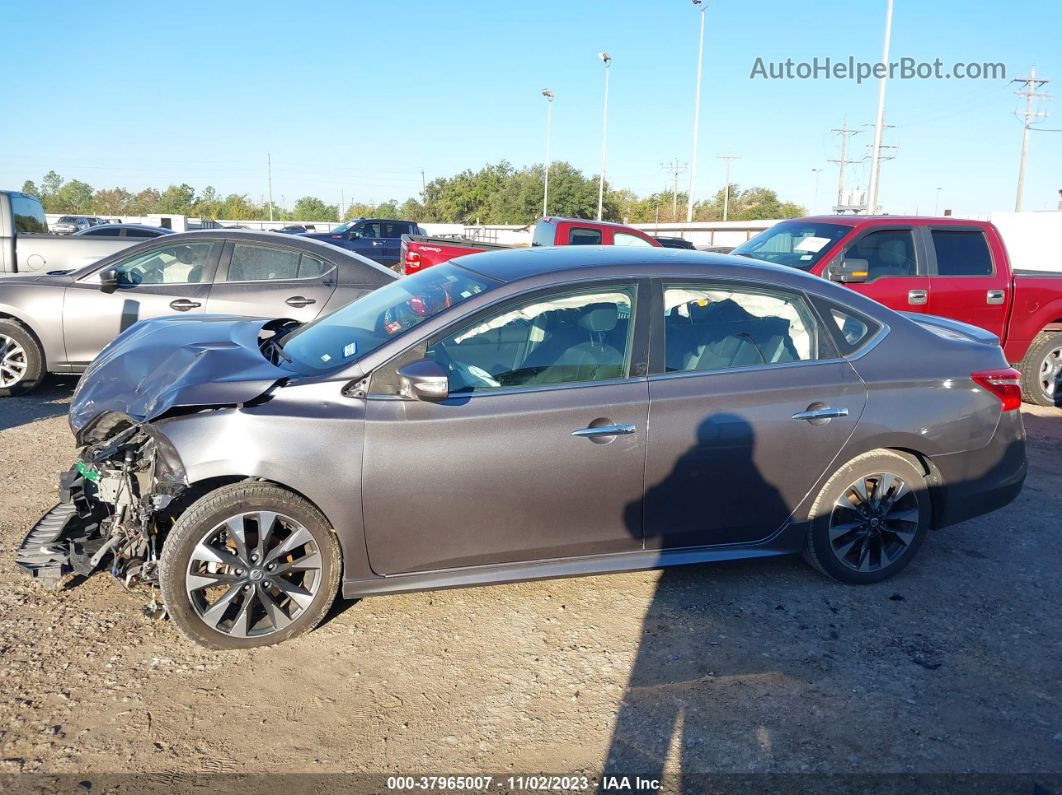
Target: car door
{"type": "Point", "coordinates": [896, 265]}
{"type": "Point", "coordinates": [968, 285]}
{"type": "Point", "coordinates": [165, 279]}
{"type": "Point", "coordinates": [750, 405]}
{"type": "Point", "coordinates": [265, 280]}
{"type": "Point", "coordinates": [537, 453]}
{"type": "Point", "coordinates": [391, 241]}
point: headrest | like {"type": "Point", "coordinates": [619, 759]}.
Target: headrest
{"type": "Point", "coordinates": [599, 318]}
{"type": "Point", "coordinates": [717, 312]}
{"type": "Point", "coordinates": [186, 255]}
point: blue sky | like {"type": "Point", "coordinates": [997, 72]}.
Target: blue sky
{"type": "Point", "coordinates": [358, 97]}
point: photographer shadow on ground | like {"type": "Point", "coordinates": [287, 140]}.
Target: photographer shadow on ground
{"type": "Point", "coordinates": [674, 661]}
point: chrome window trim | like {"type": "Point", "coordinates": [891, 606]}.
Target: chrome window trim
{"type": "Point", "coordinates": [513, 390]}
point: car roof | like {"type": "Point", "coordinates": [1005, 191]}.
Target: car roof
{"type": "Point", "coordinates": [553, 219]}
{"type": "Point", "coordinates": [513, 265]}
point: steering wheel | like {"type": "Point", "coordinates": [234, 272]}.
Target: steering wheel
{"type": "Point", "coordinates": [469, 375]}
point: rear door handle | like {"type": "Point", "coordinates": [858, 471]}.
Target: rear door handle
{"type": "Point", "coordinates": [604, 430]}
{"type": "Point", "coordinates": [825, 413]}
{"type": "Point", "coordinates": [995, 297]}
{"type": "Point", "coordinates": [917, 296]}
{"type": "Point", "coordinates": [299, 301]}
{"type": "Point", "coordinates": [183, 304]}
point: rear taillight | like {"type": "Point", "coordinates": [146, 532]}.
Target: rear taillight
{"type": "Point", "coordinates": [1005, 384]}
{"type": "Point", "coordinates": [412, 261]}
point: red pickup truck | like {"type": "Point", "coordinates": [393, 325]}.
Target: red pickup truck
{"type": "Point", "coordinates": [420, 251]}
{"type": "Point", "coordinates": [941, 266]}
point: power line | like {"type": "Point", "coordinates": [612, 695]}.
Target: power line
{"type": "Point", "coordinates": [1031, 83]}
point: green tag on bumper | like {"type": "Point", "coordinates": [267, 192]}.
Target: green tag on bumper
{"type": "Point", "coordinates": [87, 471]}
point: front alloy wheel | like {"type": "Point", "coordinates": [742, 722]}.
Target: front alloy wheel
{"type": "Point", "coordinates": [250, 564]}
{"type": "Point", "coordinates": [13, 364]}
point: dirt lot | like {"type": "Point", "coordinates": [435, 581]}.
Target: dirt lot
{"type": "Point", "coordinates": [956, 665]}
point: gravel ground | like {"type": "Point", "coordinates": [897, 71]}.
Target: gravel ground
{"type": "Point", "coordinates": [759, 666]}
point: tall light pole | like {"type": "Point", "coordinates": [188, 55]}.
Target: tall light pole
{"type": "Point", "coordinates": [549, 121]}
{"type": "Point", "coordinates": [604, 56]}
{"type": "Point", "coordinates": [726, 188]}
{"type": "Point", "coordinates": [815, 193]}
{"type": "Point", "coordinates": [936, 206]}
{"type": "Point", "coordinates": [879, 124]}
{"type": "Point", "coordinates": [702, 6]}
{"type": "Point", "coordinates": [269, 178]}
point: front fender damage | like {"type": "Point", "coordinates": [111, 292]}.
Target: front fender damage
{"type": "Point", "coordinates": [114, 507]}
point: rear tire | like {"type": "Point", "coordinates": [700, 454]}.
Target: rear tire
{"type": "Point", "coordinates": [229, 585]}
{"type": "Point", "coordinates": [869, 519]}
{"type": "Point", "coordinates": [1040, 369]}
{"type": "Point", "coordinates": [21, 359]}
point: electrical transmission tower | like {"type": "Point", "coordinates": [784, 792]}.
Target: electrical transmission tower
{"type": "Point", "coordinates": [675, 168]}
{"type": "Point", "coordinates": [876, 177]}
{"type": "Point", "coordinates": [1031, 83]}
{"type": "Point", "coordinates": [845, 132]}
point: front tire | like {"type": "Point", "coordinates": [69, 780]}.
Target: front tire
{"type": "Point", "coordinates": [249, 565]}
{"type": "Point", "coordinates": [21, 359]}
{"type": "Point", "coordinates": [869, 519]}
{"type": "Point", "coordinates": [1040, 369]}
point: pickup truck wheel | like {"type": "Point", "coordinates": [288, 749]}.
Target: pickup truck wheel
{"type": "Point", "coordinates": [1041, 368]}
{"type": "Point", "coordinates": [247, 565]}
{"type": "Point", "coordinates": [21, 359]}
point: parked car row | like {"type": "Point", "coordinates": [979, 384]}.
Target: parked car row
{"type": "Point", "coordinates": [71, 224]}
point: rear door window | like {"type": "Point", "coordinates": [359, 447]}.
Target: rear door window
{"type": "Point", "coordinates": [262, 263]}
{"type": "Point", "coordinates": [29, 215]}
{"type": "Point", "coordinates": [961, 253]}
{"type": "Point", "coordinates": [578, 236]}
{"type": "Point", "coordinates": [545, 234]}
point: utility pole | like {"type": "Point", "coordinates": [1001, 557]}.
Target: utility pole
{"type": "Point", "coordinates": [269, 178]}
{"type": "Point", "coordinates": [1032, 82]}
{"type": "Point", "coordinates": [875, 176]}
{"type": "Point", "coordinates": [726, 189]}
{"type": "Point", "coordinates": [676, 168]}
{"type": "Point", "coordinates": [845, 131]}
{"type": "Point", "coordinates": [875, 152]}
{"type": "Point", "coordinates": [342, 203]}
{"type": "Point", "coordinates": [423, 183]}
{"type": "Point", "coordinates": [702, 6]}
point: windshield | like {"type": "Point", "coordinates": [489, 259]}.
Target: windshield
{"type": "Point", "coordinates": [798, 244]}
{"type": "Point", "coordinates": [364, 325]}
{"type": "Point", "coordinates": [341, 228]}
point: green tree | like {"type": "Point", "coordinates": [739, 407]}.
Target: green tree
{"type": "Point", "coordinates": [30, 187]}
{"type": "Point", "coordinates": [411, 210]}
{"type": "Point", "coordinates": [357, 210]}
{"type": "Point", "coordinates": [750, 204]}
{"type": "Point", "coordinates": [146, 202]}
{"type": "Point", "coordinates": [237, 207]}
{"type": "Point", "coordinates": [74, 197]}
{"type": "Point", "coordinates": [310, 208]}
{"type": "Point", "coordinates": [113, 201]}
{"type": "Point", "coordinates": [177, 199]}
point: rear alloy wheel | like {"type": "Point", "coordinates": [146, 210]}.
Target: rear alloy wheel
{"type": "Point", "coordinates": [869, 519]}
{"type": "Point", "coordinates": [21, 359]}
{"type": "Point", "coordinates": [1041, 368]}
{"type": "Point", "coordinates": [249, 565]}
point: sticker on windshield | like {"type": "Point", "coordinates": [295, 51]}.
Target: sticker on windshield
{"type": "Point", "coordinates": [349, 350]}
{"type": "Point", "coordinates": [812, 244]}
{"type": "Point", "coordinates": [326, 357]}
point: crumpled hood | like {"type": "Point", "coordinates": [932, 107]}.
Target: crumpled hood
{"type": "Point", "coordinates": [161, 363]}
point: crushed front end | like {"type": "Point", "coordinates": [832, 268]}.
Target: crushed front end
{"type": "Point", "coordinates": [113, 507]}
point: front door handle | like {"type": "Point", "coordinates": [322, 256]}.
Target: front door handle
{"type": "Point", "coordinates": [183, 304]}
{"type": "Point", "coordinates": [995, 297]}
{"type": "Point", "coordinates": [299, 301]}
{"type": "Point", "coordinates": [820, 416]}
{"type": "Point", "coordinates": [917, 296]}
{"type": "Point", "coordinates": [604, 430]}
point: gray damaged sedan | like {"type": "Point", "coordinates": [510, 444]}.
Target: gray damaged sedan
{"type": "Point", "coordinates": [58, 321]}
{"type": "Point", "coordinates": [525, 414]}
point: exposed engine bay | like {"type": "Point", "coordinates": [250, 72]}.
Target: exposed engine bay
{"type": "Point", "coordinates": [112, 509]}
{"type": "Point", "coordinates": [116, 504]}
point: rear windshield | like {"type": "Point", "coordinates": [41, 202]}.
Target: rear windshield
{"type": "Point", "coordinates": [545, 234]}
{"type": "Point", "coordinates": [798, 244]}
{"type": "Point", "coordinates": [29, 215]}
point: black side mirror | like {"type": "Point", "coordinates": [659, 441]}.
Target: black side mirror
{"type": "Point", "coordinates": [109, 280]}
{"type": "Point", "coordinates": [352, 235]}
{"type": "Point", "coordinates": [424, 380]}
{"type": "Point", "coordinates": [850, 271]}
